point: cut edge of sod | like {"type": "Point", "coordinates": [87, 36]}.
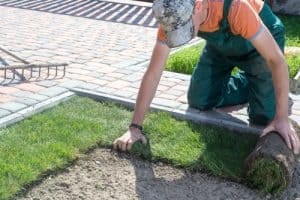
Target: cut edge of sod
{"type": "Point", "coordinates": [267, 175]}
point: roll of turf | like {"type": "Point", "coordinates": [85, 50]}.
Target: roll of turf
{"type": "Point", "coordinates": [271, 165]}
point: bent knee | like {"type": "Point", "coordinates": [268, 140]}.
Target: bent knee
{"type": "Point", "coordinates": [199, 102]}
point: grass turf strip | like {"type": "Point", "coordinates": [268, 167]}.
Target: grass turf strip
{"type": "Point", "coordinates": [50, 140]}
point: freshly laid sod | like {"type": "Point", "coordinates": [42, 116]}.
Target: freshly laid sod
{"type": "Point", "coordinates": [53, 139]}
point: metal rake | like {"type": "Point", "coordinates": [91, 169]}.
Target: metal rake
{"type": "Point", "coordinates": [35, 70]}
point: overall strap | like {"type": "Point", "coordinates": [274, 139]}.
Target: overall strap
{"type": "Point", "coordinates": [224, 23]}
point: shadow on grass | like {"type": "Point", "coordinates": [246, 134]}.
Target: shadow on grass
{"type": "Point", "coordinates": [149, 185]}
{"type": "Point", "coordinates": [222, 156]}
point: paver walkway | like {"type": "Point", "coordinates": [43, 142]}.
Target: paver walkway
{"type": "Point", "coordinates": [118, 11]}
{"type": "Point", "coordinates": [106, 59]}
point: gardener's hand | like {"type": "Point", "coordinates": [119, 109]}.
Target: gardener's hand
{"type": "Point", "coordinates": [286, 130]}
{"type": "Point", "coordinates": [126, 141]}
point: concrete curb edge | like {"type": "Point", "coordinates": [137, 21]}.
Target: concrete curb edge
{"type": "Point", "coordinates": [189, 114]}
{"type": "Point", "coordinates": [31, 110]}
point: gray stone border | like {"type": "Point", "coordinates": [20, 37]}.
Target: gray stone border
{"type": "Point", "coordinates": [210, 117]}
{"type": "Point", "coordinates": [34, 109]}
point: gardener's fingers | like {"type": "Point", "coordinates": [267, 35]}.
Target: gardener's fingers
{"type": "Point", "coordinates": [294, 141]}
{"type": "Point", "coordinates": [120, 143]}
{"type": "Point", "coordinates": [284, 133]}
{"type": "Point", "coordinates": [123, 143]}
{"type": "Point", "coordinates": [287, 138]}
{"type": "Point", "coordinates": [297, 150]}
{"type": "Point", "coordinates": [268, 129]}
{"type": "Point", "coordinates": [131, 141]}
{"type": "Point", "coordinates": [129, 144]}
{"type": "Point", "coordinates": [143, 139]}
{"type": "Point", "coordinates": [115, 143]}
{"type": "Point", "coordinates": [126, 141]}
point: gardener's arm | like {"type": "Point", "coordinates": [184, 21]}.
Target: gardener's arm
{"type": "Point", "coordinates": [268, 48]}
{"type": "Point", "coordinates": [146, 93]}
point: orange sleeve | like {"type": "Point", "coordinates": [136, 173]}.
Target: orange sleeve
{"type": "Point", "coordinates": [244, 19]}
{"type": "Point", "coordinates": [161, 34]}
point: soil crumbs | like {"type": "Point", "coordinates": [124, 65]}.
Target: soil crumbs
{"type": "Point", "coordinates": [103, 174]}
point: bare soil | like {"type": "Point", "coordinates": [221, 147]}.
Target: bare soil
{"type": "Point", "coordinates": [103, 174]}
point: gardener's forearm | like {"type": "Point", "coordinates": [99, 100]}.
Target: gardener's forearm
{"type": "Point", "coordinates": [145, 96]}
{"type": "Point", "coordinates": [268, 48]}
{"type": "Point", "coordinates": [150, 82]}
{"type": "Point", "coordinates": [280, 77]}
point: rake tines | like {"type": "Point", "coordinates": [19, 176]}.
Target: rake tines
{"type": "Point", "coordinates": [35, 70]}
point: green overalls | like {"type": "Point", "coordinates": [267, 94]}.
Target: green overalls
{"type": "Point", "coordinates": [212, 84]}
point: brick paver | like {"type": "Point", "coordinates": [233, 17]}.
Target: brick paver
{"type": "Point", "coordinates": [12, 106]}
{"type": "Point", "coordinates": [8, 90]}
{"type": "Point", "coordinates": [32, 87]}
{"type": "Point", "coordinates": [6, 98]}
{"type": "Point", "coordinates": [106, 59]}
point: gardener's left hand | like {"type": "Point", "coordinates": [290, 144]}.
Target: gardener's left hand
{"type": "Point", "coordinates": [287, 131]}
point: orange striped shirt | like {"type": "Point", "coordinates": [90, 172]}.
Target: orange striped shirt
{"type": "Point", "coordinates": [243, 18]}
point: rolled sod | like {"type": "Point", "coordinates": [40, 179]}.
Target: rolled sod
{"type": "Point", "coordinates": [271, 165]}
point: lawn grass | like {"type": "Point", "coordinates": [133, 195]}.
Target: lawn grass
{"type": "Point", "coordinates": [292, 29]}
{"type": "Point", "coordinates": [185, 60]}
{"type": "Point", "coordinates": [50, 140]}
{"type": "Point", "coordinates": [294, 64]}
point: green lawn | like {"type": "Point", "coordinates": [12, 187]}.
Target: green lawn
{"type": "Point", "coordinates": [292, 29]}
{"type": "Point", "coordinates": [294, 64]}
{"type": "Point", "coordinates": [53, 139]}
{"type": "Point", "coordinates": [185, 60]}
